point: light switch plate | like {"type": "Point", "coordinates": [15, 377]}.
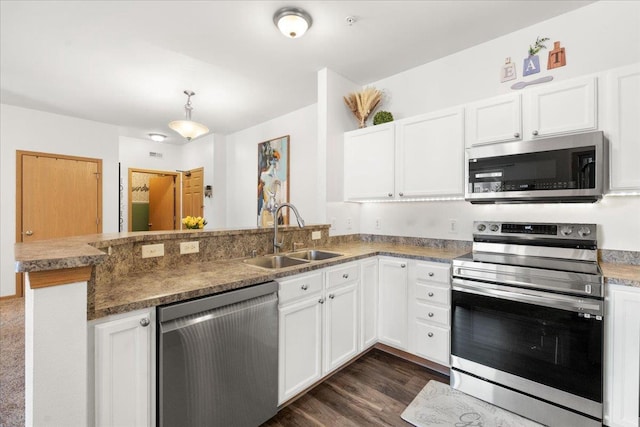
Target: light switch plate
{"type": "Point", "coordinates": [315, 235]}
{"type": "Point", "coordinates": [189, 247]}
{"type": "Point", "coordinates": [150, 251]}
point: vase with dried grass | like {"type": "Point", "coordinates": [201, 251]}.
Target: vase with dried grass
{"type": "Point", "coordinates": [363, 103]}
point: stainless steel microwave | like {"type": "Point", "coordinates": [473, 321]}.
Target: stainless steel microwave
{"type": "Point", "coordinates": [564, 169]}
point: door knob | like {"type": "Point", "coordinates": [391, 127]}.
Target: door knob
{"type": "Point", "coordinates": [430, 294]}
{"type": "Point", "coordinates": [430, 334]}
{"type": "Point", "coordinates": [431, 274]}
{"type": "Point", "coordinates": [29, 233]}
{"type": "Point", "coordinates": [430, 315]}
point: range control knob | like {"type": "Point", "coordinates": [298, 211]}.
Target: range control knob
{"type": "Point", "coordinates": [566, 230]}
{"type": "Point", "coordinates": [584, 231]}
{"type": "Point", "coordinates": [494, 227]}
{"type": "Point", "coordinates": [481, 227]}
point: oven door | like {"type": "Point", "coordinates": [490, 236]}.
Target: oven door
{"type": "Point", "coordinates": [540, 337]}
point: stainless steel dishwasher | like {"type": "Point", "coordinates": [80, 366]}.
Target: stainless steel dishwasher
{"type": "Point", "coordinates": [218, 359]}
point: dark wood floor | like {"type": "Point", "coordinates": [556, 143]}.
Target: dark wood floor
{"type": "Point", "coordinates": [372, 391]}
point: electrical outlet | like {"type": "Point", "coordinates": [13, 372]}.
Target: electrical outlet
{"type": "Point", "coordinates": [349, 223]}
{"type": "Point", "coordinates": [378, 224]}
{"type": "Point", "coordinates": [189, 247]}
{"type": "Point", "coordinates": [453, 226]}
{"type": "Point", "coordinates": [315, 235]}
{"type": "Point", "coordinates": [150, 251]}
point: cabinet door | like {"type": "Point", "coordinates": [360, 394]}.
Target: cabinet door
{"type": "Point", "coordinates": [300, 346]}
{"type": "Point", "coordinates": [565, 107]}
{"type": "Point", "coordinates": [341, 325]}
{"type": "Point", "coordinates": [494, 120]}
{"type": "Point", "coordinates": [123, 371]}
{"type": "Point", "coordinates": [430, 155]}
{"type": "Point", "coordinates": [368, 303]}
{"type": "Point", "coordinates": [393, 299]}
{"type": "Point", "coordinates": [624, 127]}
{"type": "Point", "coordinates": [622, 357]}
{"type": "Point", "coordinates": [368, 163]}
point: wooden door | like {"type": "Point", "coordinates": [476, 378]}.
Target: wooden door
{"type": "Point", "coordinates": [161, 203]}
{"type": "Point", "coordinates": [56, 196]}
{"type": "Point", "coordinates": [192, 192]}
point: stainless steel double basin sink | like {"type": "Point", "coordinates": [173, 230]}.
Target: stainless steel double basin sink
{"type": "Point", "coordinates": [291, 259]}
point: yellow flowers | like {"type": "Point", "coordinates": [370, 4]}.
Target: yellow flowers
{"type": "Point", "coordinates": [194, 222]}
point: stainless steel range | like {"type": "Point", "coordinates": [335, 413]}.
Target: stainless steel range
{"type": "Point", "coordinates": [527, 321]}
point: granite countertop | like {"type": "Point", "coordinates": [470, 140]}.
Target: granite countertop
{"type": "Point", "coordinates": [157, 287]}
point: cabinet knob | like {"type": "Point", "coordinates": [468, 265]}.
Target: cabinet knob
{"type": "Point", "coordinates": [431, 274]}
{"type": "Point", "coordinates": [390, 194]}
{"type": "Point", "coordinates": [321, 300]}
{"type": "Point", "coordinates": [331, 296]}
{"type": "Point", "coordinates": [403, 265]}
{"type": "Point", "coordinates": [345, 276]}
{"type": "Point", "coordinates": [516, 135]}
{"type": "Point", "coordinates": [400, 194]}
{"type": "Point", "coordinates": [535, 133]}
{"type": "Point", "coordinates": [29, 233]}
{"type": "Point", "coordinates": [304, 287]}
{"type": "Point", "coordinates": [430, 314]}
{"type": "Point", "coordinates": [144, 322]}
{"type": "Point", "coordinates": [430, 334]}
{"type": "Point", "coordinates": [430, 294]}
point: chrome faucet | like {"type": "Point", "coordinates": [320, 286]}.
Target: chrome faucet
{"type": "Point", "coordinates": [277, 245]}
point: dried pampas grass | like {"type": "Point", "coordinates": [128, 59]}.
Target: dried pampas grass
{"type": "Point", "coordinates": [363, 103]}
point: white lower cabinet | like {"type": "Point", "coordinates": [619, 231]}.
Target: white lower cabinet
{"type": "Point", "coordinates": [368, 303]}
{"type": "Point", "coordinates": [319, 326]}
{"type": "Point", "coordinates": [429, 311]}
{"type": "Point", "coordinates": [393, 298]}
{"type": "Point", "coordinates": [622, 356]}
{"type": "Point", "coordinates": [124, 369]}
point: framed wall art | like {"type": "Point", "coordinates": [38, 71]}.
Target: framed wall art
{"type": "Point", "coordinates": [273, 180]}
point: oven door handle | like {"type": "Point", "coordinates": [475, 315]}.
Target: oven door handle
{"type": "Point", "coordinates": [545, 299]}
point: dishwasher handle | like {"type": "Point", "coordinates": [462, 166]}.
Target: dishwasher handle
{"type": "Point", "coordinates": [187, 308]}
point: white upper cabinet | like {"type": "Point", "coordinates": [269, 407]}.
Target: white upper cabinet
{"type": "Point", "coordinates": [623, 107]}
{"type": "Point", "coordinates": [430, 154]}
{"type": "Point", "coordinates": [539, 112]}
{"type": "Point", "coordinates": [369, 163]}
{"type": "Point", "coordinates": [495, 120]}
{"type": "Point", "coordinates": [565, 107]}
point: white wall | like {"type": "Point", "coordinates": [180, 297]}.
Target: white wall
{"type": "Point", "coordinates": [31, 130]}
{"type": "Point", "coordinates": [597, 37]}
{"type": "Point", "coordinates": [242, 166]}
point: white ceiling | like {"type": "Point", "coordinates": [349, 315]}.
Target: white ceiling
{"type": "Point", "coordinates": [127, 62]}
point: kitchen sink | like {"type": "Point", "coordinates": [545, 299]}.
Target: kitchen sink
{"type": "Point", "coordinates": [275, 261]}
{"type": "Point", "coordinates": [314, 255]}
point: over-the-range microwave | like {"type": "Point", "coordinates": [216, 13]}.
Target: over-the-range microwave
{"type": "Point", "coordinates": [561, 169]}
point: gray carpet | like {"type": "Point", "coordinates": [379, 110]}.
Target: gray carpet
{"type": "Point", "coordinates": [440, 405]}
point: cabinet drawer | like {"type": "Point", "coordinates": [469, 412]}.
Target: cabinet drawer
{"type": "Point", "coordinates": [433, 294]}
{"type": "Point", "coordinates": [433, 272]}
{"type": "Point", "coordinates": [432, 343]}
{"type": "Point", "coordinates": [342, 274]}
{"type": "Point", "coordinates": [432, 313]}
{"type": "Point", "coordinates": [299, 287]}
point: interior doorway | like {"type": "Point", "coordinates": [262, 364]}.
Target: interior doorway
{"type": "Point", "coordinates": [56, 196]}
{"type": "Point", "coordinates": [154, 203]}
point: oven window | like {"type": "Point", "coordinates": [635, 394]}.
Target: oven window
{"type": "Point", "coordinates": [549, 346]}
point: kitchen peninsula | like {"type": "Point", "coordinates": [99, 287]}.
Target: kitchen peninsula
{"type": "Point", "coordinates": [75, 281]}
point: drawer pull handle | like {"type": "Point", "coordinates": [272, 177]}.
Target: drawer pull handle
{"type": "Point", "coordinates": [345, 275]}
{"type": "Point", "coordinates": [144, 322]}
{"type": "Point", "coordinates": [430, 294]}
{"type": "Point", "coordinates": [431, 274]}
{"type": "Point", "coordinates": [331, 296]}
{"type": "Point", "coordinates": [430, 314]}
{"type": "Point", "coordinates": [430, 334]}
{"type": "Point", "coordinates": [304, 287]}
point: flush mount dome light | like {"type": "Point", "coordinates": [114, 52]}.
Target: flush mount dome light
{"type": "Point", "coordinates": [188, 129]}
{"type": "Point", "coordinates": [157, 137]}
{"type": "Point", "coordinates": [293, 22]}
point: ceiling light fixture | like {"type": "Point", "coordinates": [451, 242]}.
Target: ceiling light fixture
{"type": "Point", "coordinates": [157, 137]}
{"type": "Point", "coordinates": [186, 128]}
{"type": "Point", "coordinates": [293, 22]}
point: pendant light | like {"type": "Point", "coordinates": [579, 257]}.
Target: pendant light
{"type": "Point", "coordinates": [188, 129]}
{"type": "Point", "coordinates": [293, 22]}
